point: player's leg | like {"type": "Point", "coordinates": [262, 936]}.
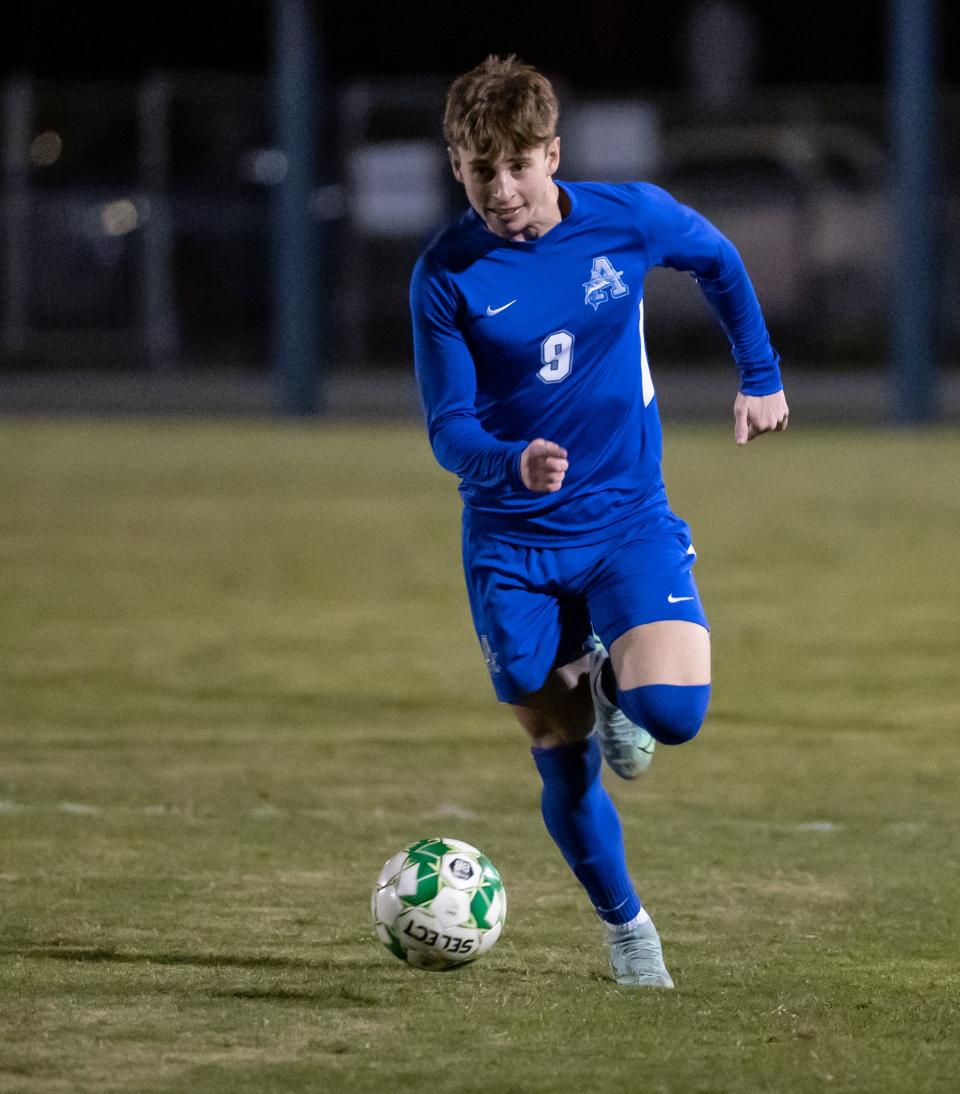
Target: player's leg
{"type": "Point", "coordinates": [662, 673]}
{"type": "Point", "coordinates": [561, 711]}
{"type": "Point", "coordinates": [538, 649]}
{"type": "Point", "coordinates": [555, 707]}
{"type": "Point", "coordinates": [577, 810]}
{"type": "Point", "coordinates": [582, 819]}
{"type": "Point", "coordinates": [647, 609]}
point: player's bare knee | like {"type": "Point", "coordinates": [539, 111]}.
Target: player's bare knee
{"type": "Point", "coordinates": [551, 727]}
{"type": "Point", "coordinates": [550, 723]}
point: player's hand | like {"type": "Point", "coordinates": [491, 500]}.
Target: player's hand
{"type": "Point", "coordinates": [542, 466]}
{"type": "Point", "coordinates": [756, 414]}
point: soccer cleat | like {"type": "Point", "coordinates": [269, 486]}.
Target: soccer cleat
{"type": "Point", "coordinates": [627, 747]}
{"type": "Point", "coordinates": [636, 958]}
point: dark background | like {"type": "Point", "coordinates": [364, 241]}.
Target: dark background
{"type": "Point", "coordinates": [611, 45]}
{"type": "Point", "coordinates": [188, 288]}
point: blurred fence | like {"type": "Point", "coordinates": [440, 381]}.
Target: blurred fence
{"type": "Point", "coordinates": [135, 217]}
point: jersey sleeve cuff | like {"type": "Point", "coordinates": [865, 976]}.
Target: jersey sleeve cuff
{"type": "Point", "coordinates": [513, 465]}
{"type": "Point", "coordinates": [761, 379]}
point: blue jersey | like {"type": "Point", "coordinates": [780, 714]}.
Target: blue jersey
{"type": "Point", "coordinates": [515, 340]}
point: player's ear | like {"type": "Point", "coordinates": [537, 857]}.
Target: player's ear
{"type": "Point", "coordinates": [553, 155]}
{"type": "Point", "coordinates": [454, 163]}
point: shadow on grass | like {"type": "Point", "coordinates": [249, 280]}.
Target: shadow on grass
{"type": "Point", "coordinates": [331, 993]}
{"type": "Point", "coordinates": [331, 996]}
{"type": "Point", "coordinates": [202, 960]}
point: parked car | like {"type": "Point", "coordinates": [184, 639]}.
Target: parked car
{"type": "Point", "coordinates": [807, 207]}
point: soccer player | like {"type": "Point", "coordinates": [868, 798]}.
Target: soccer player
{"type": "Point", "coordinates": [533, 373]}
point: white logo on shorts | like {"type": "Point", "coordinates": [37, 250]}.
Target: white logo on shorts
{"type": "Point", "coordinates": [671, 599]}
{"type": "Point", "coordinates": [490, 655]}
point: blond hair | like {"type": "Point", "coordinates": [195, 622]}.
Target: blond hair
{"type": "Point", "coordinates": [499, 107]}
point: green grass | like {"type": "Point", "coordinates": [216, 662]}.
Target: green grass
{"type": "Point", "coordinates": [237, 673]}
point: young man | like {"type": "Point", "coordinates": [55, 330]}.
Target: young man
{"type": "Point", "coordinates": [530, 357]}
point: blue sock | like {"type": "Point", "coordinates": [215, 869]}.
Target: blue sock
{"type": "Point", "coordinates": [670, 713]}
{"type": "Point", "coordinates": [582, 819]}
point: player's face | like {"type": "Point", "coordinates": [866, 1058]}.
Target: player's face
{"type": "Point", "coordinates": [515, 195]}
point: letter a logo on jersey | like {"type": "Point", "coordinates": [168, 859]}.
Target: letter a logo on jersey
{"type": "Point", "coordinates": [604, 282]}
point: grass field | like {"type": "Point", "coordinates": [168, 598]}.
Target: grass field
{"type": "Point", "coordinates": [237, 673]}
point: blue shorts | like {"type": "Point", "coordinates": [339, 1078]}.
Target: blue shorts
{"type": "Point", "coordinates": [536, 608]}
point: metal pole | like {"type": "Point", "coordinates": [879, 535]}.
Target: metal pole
{"type": "Point", "coordinates": [158, 306]}
{"type": "Point", "coordinates": [15, 205]}
{"type": "Point", "coordinates": [295, 338]}
{"type": "Point", "coordinates": [916, 291]}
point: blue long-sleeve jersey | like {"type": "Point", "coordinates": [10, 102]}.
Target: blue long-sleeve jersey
{"type": "Point", "coordinates": [515, 340]}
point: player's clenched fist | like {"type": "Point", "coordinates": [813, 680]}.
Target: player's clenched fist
{"type": "Point", "coordinates": [756, 414]}
{"type": "Point", "coordinates": [542, 466]}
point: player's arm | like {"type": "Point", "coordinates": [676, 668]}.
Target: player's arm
{"type": "Point", "coordinates": [681, 238]}
{"type": "Point", "coordinates": [446, 378]}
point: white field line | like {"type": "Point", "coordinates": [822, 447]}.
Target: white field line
{"type": "Point", "coordinates": [443, 810]}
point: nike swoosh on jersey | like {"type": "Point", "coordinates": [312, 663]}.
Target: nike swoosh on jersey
{"type": "Point", "coordinates": [671, 599]}
{"type": "Point", "coordinates": [496, 311]}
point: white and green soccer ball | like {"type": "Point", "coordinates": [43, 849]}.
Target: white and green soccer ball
{"type": "Point", "coordinates": [438, 904]}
